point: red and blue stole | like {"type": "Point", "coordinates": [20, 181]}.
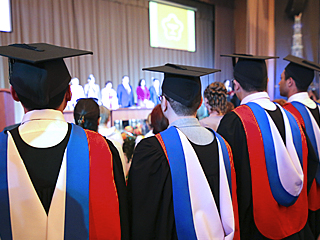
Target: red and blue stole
{"type": "Point", "coordinates": [193, 221]}
{"type": "Point", "coordinates": [312, 129]}
{"type": "Point", "coordinates": [91, 202]}
{"type": "Point", "coordinates": [277, 213]}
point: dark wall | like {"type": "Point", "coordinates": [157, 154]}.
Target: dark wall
{"type": "Point", "coordinates": [283, 36]}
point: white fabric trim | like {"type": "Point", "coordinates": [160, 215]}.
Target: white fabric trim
{"type": "Point", "coordinates": [289, 167]}
{"type": "Point", "coordinates": [28, 217]}
{"type": "Point", "coordinates": [262, 98]}
{"type": "Point", "coordinates": [303, 98]}
{"type": "Point", "coordinates": [207, 222]}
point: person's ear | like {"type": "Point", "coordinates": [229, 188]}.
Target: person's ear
{"type": "Point", "coordinates": [14, 94]}
{"type": "Point", "coordinates": [164, 104]}
{"type": "Point", "coordinates": [236, 85]}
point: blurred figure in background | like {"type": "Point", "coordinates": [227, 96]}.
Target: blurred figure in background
{"type": "Point", "coordinates": [143, 93]}
{"type": "Point", "coordinates": [91, 89]}
{"type": "Point", "coordinates": [109, 97]}
{"type": "Point", "coordinates": [215, 100]}
{"type": "Point", "coordinates": [125, 94]}
{"type": "Point", "coordinates": [77, 93]}
{"type": "Point", "coordinates": [155, 91]}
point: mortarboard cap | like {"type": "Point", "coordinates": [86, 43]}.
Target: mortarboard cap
{"type": "Point", "coordinates": [182, 83]}
{"type": "Point", "coordinates": [250, 69]}
{"type": "Point", "coordinates": [301, 70]}
{"type": "Point", "coordinates": [37, 71]}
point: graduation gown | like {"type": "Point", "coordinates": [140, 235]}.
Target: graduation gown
{"type": "Point", "coordinates": [231, 128]}
{"type": "Point", "coordinates": [150, 193]}
{"type": "Point", "coordinates": [43, 167]}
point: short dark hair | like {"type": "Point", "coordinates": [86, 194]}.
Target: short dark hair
{"type": "Point", "coordinates": [300, 87]}
{"type": "Point", "coordinates": [54, 102]}
{"type": "Point", "coordinates": [250, 88]}
{"type": "Point", "coordinates": [182, 110]}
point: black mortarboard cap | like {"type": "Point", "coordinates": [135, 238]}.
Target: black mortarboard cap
{"type": "Point", "coordinates": [301, 70]}
{"type": "Point", "coordinates": [37, 71]}
{"type": "Point", "coordinates": [182, 83]}
{"type": "Point", "coordinates": [250, 69]}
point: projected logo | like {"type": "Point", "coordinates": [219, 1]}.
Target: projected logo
{"type": "Point", "coordinates": [172, 27]}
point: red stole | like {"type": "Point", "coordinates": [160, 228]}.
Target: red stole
{"type": "Point", "coordinates": [272, 220]}
{"type": "Point", "coordinates": [104, 218]}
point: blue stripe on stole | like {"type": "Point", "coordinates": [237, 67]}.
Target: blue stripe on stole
{"type": "Point", "coordinates": [77, 196]}
{"type": "Point", "coordinates": [278, 192]}
{"type": "Point", "coordinates": [309, 129]}
{"type": "Point", "coordinates": [181, 198]}
{"type": "Point", "coordinates": [5, 220]}
{"type": "Point", "coordinates": [226, 160]}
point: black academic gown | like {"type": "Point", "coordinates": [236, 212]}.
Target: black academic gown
{"type": "Point", "coordinates": [232, 130]}
{"type": "Point", "coordinates": [150, 188]}
{"type": "Point", "coordinates": [43, 167]}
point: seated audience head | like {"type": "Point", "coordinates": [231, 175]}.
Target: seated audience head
{"type": "Point", "coordinates": [215, 98]}
{"type": "Point", "coordinates": [104, 115]}
{"type": "Point", "coordinates": [250, 73]}
{"type": "Point", "coordinates": [230, 107]}
{"type": "Point", "coordinates": [181, 88]}
{"type": "Point", "coordinates": [158, 122]}
{"type": "Point", "coordinates": [297, 76]}
{"type": "Point", "coordinates": [39, 80]}
{"type": "Point", "coordinates": [86, 114]}
{"type": "Point", "coordinates": [280, 101]}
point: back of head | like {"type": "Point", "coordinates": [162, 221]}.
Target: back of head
{"type": "Point", "coordinates": [159, 122]}
{"type": "Point", "coordinates": [104, 114]}
{"type": "Point", "coordinates": [216, 95]}
{"type": "Point", "coordinates": [86, 114]}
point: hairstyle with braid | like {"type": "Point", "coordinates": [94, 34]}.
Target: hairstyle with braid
{"type": "Point", "coordinates": [216, 94]}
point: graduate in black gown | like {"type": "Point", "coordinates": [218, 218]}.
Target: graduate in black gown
{"type": "Point", "coordinates": [250, 86]}
{"type": "Point", "coordinates": [150, 183]}
{"type": "Point", "coordinates": [294, 84]}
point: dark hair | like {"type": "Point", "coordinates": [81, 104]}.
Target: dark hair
{"type": "Point", "coordinates": [139, 84]}
{"type": "Point", "coordinates": [216, 94]}
{"type": "Point", "coordinates": [300, 87]}
{"type": "Point", "coordinates": [250, 88]}
{"type": "Point", "coordinates": [107, 83]}
{"type": "Point", "coordinates": [159, 122]}
{"type": "Point", "coordinates": [182, 110]}
{"type": "Point", "coordinates": [86, 114]}
{"type": "Point", "coordinates": [54, 102]}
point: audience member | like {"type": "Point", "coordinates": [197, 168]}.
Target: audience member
{"type": "Point", "coordinates": [125, 94]}
{"type": "Point", "coordinates": [267, 145]}
{"type": "Point", "coordinates": [295, 80]}
{"type": "Point", "coordinates": [187, 155]}
{"type": "Point", "coordinates": [87, 115]}
{"type": "Point", "coordinates": [54, 181]}
{"type": "Point", "coordinates": [280, 101]}
{"type": "Point", "coordinates": [215, 100]}
{"type": "Point", "coordinates": [155, 91]}
{"type": "Point", "coordinates": [91, 89]}
{"type": "Point", "coordinates": [109, 97]}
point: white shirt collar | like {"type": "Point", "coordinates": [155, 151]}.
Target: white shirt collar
{"type": "Point", "coordinates": [303, 98]}
{"type": "Point", "coordinates": [45, 114]}
{"type": "Point", "coordinates": [261, 98]}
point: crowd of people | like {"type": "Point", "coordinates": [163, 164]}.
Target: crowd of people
{"type": "Point", "coordinates": [112, 99]}
{"type": "Point", "coordinates": [251, 172]}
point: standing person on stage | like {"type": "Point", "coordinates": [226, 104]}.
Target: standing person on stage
{"type": "Point", "coordinates": [143, 94]}
{"type": "Point", "coordinates": [270, 154]}
{"type": "Point", "coordinates": [295, 80]}
{"type": "Point", "coordinates": [125, 94]}
{"type": "Point", "coordinates": [56, 178]}
{"type": "Point", "coordinates": [91, 89]}
{"type": "Point", "coordinates": [184, 162]}
{"type": "Point", "coordinates": [155, 91]}
{"type": "Point", "coordinates": [109, 97]}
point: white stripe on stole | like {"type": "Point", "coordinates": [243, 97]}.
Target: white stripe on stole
{"type": "Point", "coordinates": [29, 220]}
{"type": "Point", "coordinates": [207, 222]}
{"type": "Point", "coordinates": [289, 167]}
{"type": "Point", "coordinates": [316, 130]}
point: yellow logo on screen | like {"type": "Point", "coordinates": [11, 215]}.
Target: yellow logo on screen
{"type": "Point", "coordinates": [172, 27]}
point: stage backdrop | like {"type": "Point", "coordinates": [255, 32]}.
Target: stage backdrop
{"type": "Point", "coordinates": [117, 31]}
